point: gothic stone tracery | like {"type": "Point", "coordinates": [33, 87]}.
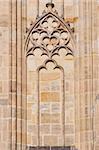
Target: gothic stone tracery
{"type": "Point", "coordinates": [50, 35]}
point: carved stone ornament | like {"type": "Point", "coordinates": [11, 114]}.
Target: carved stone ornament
{"type": "Point", "coordinates": [50, 34]}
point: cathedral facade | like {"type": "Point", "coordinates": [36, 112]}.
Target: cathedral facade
{"type": "Point", "coordinates": [49, 75]}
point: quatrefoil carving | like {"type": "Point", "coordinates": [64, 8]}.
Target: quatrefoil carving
{"type": "Point", "coordinates": [49, 34]}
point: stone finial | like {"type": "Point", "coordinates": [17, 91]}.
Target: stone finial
{"type": "Point", "coordinates": [50, 6]}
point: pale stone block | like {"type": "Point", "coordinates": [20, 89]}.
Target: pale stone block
{"type": "Point", "coordinates": [29, 115]}
{"type": "Point", "coordinates": [19, 137]}
{"type": "Point", "coordinates": [69, 140]}
{"type": "Point", "coordinates": [56, 108]}
{"type": "Point", "coordinates": [1, 61]}
{"type": "Point", "coordinates": [45, 118]}
{"type": "Point", "coordinates": [34, 118]}
{"type": "Point", "coordinates": [44, 129]}
{"type": "Point", "coordinates": [55, 118]}
{"type": "Point", "coordinates": [50, 140]}
{"type": "Point", "coordinates": [56, 129]}
{"type": "Point", "coordinates": [32, 129]}
{"type": "Point", "coordinates": [24, 138]}
{"type": "Point", "coordinates": [45, 107]}
{"type": "Point", "coordinates": [34, 140]}
{"type": "Point", "coordinates": [29, 139]}
{"type": "Point", "coordinates": [69, 129]}
{"type": "Point", "coordinates": [1, 86]}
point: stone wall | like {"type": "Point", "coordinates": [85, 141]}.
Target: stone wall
{"type": "Point", "coordinates": [18, 86]}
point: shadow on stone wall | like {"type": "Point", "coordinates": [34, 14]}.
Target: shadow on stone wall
{"type": "Point", "coordinates": [52, 148]}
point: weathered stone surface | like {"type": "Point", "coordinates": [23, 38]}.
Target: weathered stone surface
{"type": "Point", "coordinates": [22, 92]}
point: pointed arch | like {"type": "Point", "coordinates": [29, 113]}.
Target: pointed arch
{"type": "Point", "coordinates": [38, 28]}
{"type": "Point", "coordinates": [62, 98]}
{"type": "Point", "coordinates": [50, 40]}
